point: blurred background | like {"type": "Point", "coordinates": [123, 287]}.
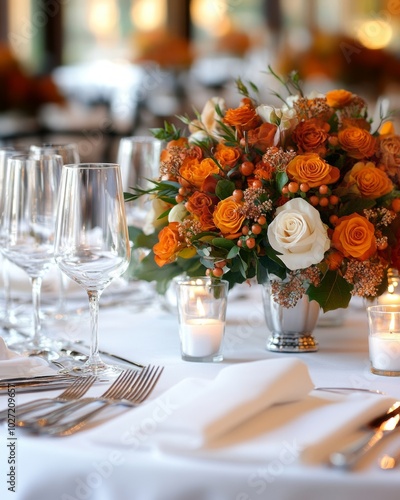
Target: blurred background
{"type": "Point", "coordinates": [94, 71]}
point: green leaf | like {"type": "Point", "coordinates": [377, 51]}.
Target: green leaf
{"type": "Point", "coordinates": [356, 206]}
{"type": "Point", "coordinates": [233, 252]}
{"type": "Point", "coordinates": [223, 243]}
{"type": "Point", "coordinates": [168, 133]}
{"type": "Point", "coordinates": [273, 266]}
{"type": "Point", "coordinates": [334, 292]}
{"type": "Point", "coordinates": [281, 180]}
{"type": "Point", "coordinates": [224, 189]}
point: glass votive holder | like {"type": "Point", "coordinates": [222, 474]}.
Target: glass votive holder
{"type": "Point", "coordinates": [202, 306]}
{"type": "Point", "coordinates": [384, 339]}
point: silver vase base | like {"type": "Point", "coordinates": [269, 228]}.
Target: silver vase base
{"type": "Point", "coordinates": [279, 342]}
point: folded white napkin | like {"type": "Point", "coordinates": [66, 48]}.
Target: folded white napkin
{"type": "Point", "coordinates": [253, 412]}
{"type": "Point", "coordinates": [14, 365]}
{"type": "Point", "coordinates": [236, 394]}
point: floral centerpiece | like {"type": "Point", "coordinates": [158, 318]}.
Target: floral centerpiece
{"type": "Point", "coordinates": [306, 191]}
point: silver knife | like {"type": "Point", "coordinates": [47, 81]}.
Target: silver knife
{"type": "Point", "coordinates": [35, 386]}
{"type": "Point", "coordinates": [73, 351]}
{"type": "Point", "coordinates": [376, 429]}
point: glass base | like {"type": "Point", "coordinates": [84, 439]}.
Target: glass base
{"type": "Point", "coordinates": [99, 369]}
{"type": "Point", "coordinates": [45, 348]}
{"type": "Point", "coordinates": [281, 342]}
{"type": "Point", "coordinates": [387, 373]}
{"type": "Point", "coordinates": [213, 358]}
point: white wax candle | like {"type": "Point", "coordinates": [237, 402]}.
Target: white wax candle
{"type": "Point", "coordinates": [389, 298]}
{"type": "Point", "coordinates": [384, 351]}
{"type": "Point", "coordinates": [201, 337]}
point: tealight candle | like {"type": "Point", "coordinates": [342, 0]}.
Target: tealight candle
{"type": "Point", "coordinates": [384, 339]}
{"type": "Point", "coordinates": [384, 349]}
{"type": "Point", "coordinates": [201, 310]}
{"type": "Point", "coordinates": [202, 337]}
{"type": "Point", "coordinates": [389, 298]}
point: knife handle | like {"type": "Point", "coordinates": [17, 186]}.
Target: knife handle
{"type": "Point", "coordinates": [350, 455]}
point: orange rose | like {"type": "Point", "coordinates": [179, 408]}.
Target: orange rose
{"type": "Point", "coordinates": [263, 171]}
{"type": "Point", "coordinates": [206, 221]}
{"type": "Point", "coordinates": [389, 151]}
{"type": "Point", "coordinates": [198, 202]}
{"type": "Point", "coordinates": [371, 181]}
{"type": "Point", "coordinates": [338, 98]}
{"type": "Point", "coordinates": [227, 157]}
{"type": "Point", "coordinates": [358, 142]}
{"type": "Point", "coordinates": [168, 244]}
{"type": "Point", "coordinates": [243, 117]}
{"type": "Point", "coordinates": [312, 169]}
{"type": "Point", "coordinates": [227, 217]}
{"type": "Point", "coordinates": [195, 172]}
{"type": "Point", "coordinates": [311, 136]}
{"type": "Point", "coordinates": [178, 143]}
{"type": "Point", "coordinates": [347, 121]}
{"type": "Point", "coordinates": [262, 137]}
{"type": "Point", "coordinates": [354, 237]}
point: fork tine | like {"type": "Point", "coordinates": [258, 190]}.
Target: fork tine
{"type": "Point", "coordinates": [78, 387]}
{"type": "Point", "coordinates": [120, 385]}
{"type": "Point", "coordinates": [146, 384]}
{"type": "Point", "coordinates": [135, 388]}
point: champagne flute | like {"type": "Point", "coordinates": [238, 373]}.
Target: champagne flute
{"type": "Point", "coordinates": [70, 154]}
{"type": "Point", "coordinates": [92, 242]}
{"type": "Point", "coordinates": [27, 229]}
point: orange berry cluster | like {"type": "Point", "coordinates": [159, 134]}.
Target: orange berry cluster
{"type": "Point", "coordinates": [323, 197]}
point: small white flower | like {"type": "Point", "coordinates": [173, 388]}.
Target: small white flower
{"type": "Point", "coordinates": [208, 123]}
{"type": "Point", "coordinates": [177, 213]}
{"type": "Point", "coordinates": [152, 221]}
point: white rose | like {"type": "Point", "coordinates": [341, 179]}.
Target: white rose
{"type": "Point", "coordinates": [298, 233]}
{"type": "Point", "coordinates": [152, 221]}
{"type": "Point", "coordinates": [284, 118]}
{"type": "Point", "coordinates": [208, 123]}
{"type": "Point", "coordinates": [177, 213]}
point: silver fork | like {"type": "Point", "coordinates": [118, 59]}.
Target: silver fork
{"type": "Point", "coordinates": [117, 388]}
{"type": "Point", "coordinates": [77, 389]}
{"type": "Point", "coordinates": [140, 390]}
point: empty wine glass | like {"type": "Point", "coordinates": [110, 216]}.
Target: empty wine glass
{"type": "Point", "coordinates": [69, 151]}
{"type": "Point", "coordinates": [27, 228]}
{"type": "Point", "coordinates": [92, 243]}
{"type": "Point", "coordinates": [70, 154]}
{"type": "Point", "coordinates": [6, 316]}
{"type": "Point", "coordinates": [139, 159]}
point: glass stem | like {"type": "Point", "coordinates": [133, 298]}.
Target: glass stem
{"type": "Point", "coordinates": [94, 356]}
{"type": "Point", "coordinates": [62, 293]}
{"type": "Point", "coordinates": [7, 291]}
{"type": "Point", "coordinates": [37, 326]}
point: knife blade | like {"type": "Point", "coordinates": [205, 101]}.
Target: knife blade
{"type": "Point", "coordinates": [376, 430]}
{"type": "Point", "coordinates": [39, 378]}
{"type": "Point", "coordinates": [75, 351]}
{"type": "Point", "coordinates": [36, 386]}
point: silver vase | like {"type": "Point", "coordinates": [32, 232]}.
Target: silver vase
{"type": "Point", "coordinates": [291, 329]}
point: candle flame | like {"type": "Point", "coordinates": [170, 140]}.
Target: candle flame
{"type": "Point", "coordinates": [200, 308]}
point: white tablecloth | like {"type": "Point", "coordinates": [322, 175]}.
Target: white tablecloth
{"type": "Point", "coordinates": [100, 464]}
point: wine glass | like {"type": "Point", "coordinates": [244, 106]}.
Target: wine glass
{"type": "Point", "coordinates": [69, 151]}
{"type": "Point", "coordinates": [6, 317]}
{"type": "Point", "coordinates": [27, 229]}
{"type": "Point", "coordinates": [139, 159]}
{"type": "Point", "coordinates": [92, 242]}
{"type": "Point", "coordinates": [70, 154]}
